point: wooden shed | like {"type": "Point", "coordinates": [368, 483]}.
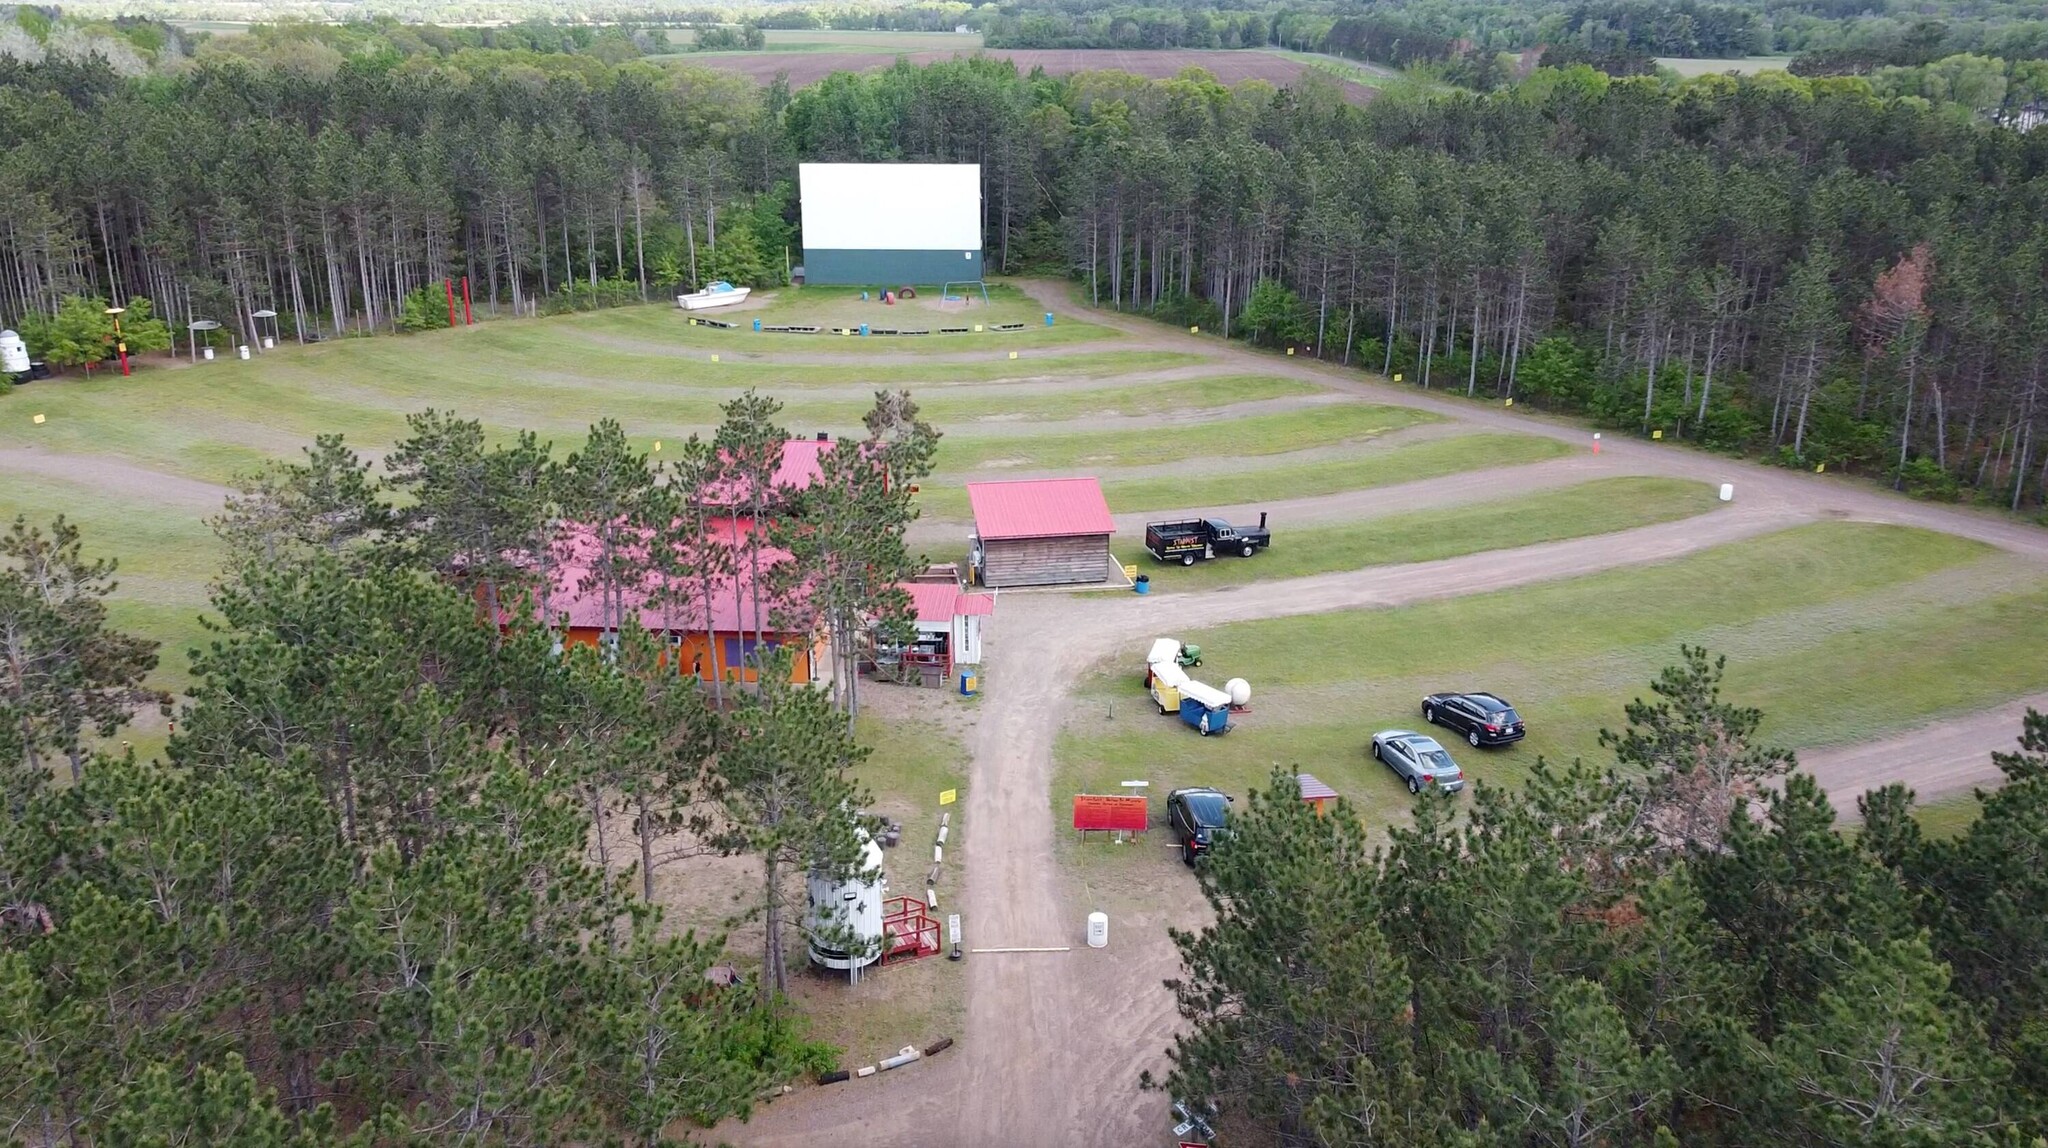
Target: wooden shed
{"type": "Point", "coordinates": [1044, 532]}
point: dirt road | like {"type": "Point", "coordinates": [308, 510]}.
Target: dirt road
{"type": "Point", "coordinates": [1055, 1041]}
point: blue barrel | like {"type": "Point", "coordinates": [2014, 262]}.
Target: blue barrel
{"type": "Point", "coordinates": [1048, 318]}
{"type": "Point", "coordinates": [863, 330]}
{"type": "Point", "coordinates": [1143, 585]}
{"type": "Point", "coordinates": [757, 324]}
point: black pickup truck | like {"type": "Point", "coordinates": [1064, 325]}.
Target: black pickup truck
{"type": "Point", "coordinates": [1193, 538]}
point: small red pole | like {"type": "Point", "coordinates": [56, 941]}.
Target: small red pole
{"type": "Point", "coordinates": [450, 285]}
{"type": "Point", "coordinates": [466, 320]}
{"type": "Point", "coordinates": [1596, 442]}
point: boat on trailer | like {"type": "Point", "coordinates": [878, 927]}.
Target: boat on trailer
{"type": "Point", "coordinates": [715, 294]}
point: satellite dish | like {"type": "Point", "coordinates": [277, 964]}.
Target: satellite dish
{"type": "Point", "coordinates": [204, 325]}
{"type": "Point", "coordinates": [263, 314]}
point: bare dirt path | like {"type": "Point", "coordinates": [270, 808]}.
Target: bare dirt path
{"type": "Point", "coordinates": [1054, 1041]}
{"type": "Point", "coordinates": [116, 476]}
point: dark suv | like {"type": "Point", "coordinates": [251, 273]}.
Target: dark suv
{"type": "Point", "coordinates": [1483, 718]}
{"type": "Point", "coordinates": [1198, 815]}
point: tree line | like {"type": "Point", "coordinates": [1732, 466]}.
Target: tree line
{"type": "Point", "coordinates": [1683, 947]}
{"type": "Point", "coordinates": [393, 879]}
{"type": "Point", "coordinates": [1801, 268]}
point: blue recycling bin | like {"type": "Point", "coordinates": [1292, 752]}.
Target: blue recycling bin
{"type": "Point", "coordinates": [1048, 318]}
{"type": "Point", "coordinates": [757, 324]}
{"type": "Point", "coordinates": [863, 330]}
{"type": "Point", "coordinates": [1143, 585]}
{"type": "Point", "coordinates": [969, 684]}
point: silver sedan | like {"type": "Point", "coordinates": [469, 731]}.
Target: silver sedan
{"type": "Point", "coordinates": [1417, 759]}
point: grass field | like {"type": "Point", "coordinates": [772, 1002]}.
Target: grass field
{"type": "Point", "coordinates": [1598, 507]}
{"type": "Point", "coordinates": [834, 40]}
{"type": "Point", "coordinates": [1815, 621]}
{"type": "Point", "coordinates": [1747, 66]}
{"type": "Point", "coordinates": [1241, 437]}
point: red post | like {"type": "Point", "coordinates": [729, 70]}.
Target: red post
{"type": "Point", "coordinates": [124, 357]}
{"type": "Point", "coordinates": [466, 320]}
{"type": "Point", "coordinates": [450, 285]}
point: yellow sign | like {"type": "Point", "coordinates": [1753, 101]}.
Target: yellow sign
{"type": "Point", "coordinates": [1821, 469]}
{"type": "Point", "coordinates": [39, 420]}
{"type": "Point", "coordinates": [948, 796]}
{"type": "Point", "coordinates": [714, 358]}
{"type": "Point", "coordinates": [1013, 354]}
{"type": "Point", "coordinates": [1511, 402]}
{"type": "Point", "coordinates": [657, 444]}
{"type": "Point", "coordinates": [1397, 376]}
{"type": "Point", "coordinates": [1194, 330]}
{"type": "Point", "coordinates": [1656, 434]}
{"type": "Point", "coordinates": [1290, 352]}
{"type": "Point", "coordinates": [693, 322]}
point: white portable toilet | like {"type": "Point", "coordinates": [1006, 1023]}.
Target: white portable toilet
{"type": "Point", "coordinates": [13, 354]}
{"type": "Point", "coordinates": [848, 911]}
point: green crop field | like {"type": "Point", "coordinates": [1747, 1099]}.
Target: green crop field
{"type": "Point", "coordinates": [835, 40]}
{"type": "Point", "coordinates": [1838, 631]}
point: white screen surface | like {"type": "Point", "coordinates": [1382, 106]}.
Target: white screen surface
{"type": "Point", "coordinates": [891, 206]}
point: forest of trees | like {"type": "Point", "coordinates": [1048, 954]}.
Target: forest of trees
{"type": "Point", "coordinates": [1799, 268]}
{"type": "Point", "coordinates": [1600, 960]}
{"type": "Point", "coordinates": [393, 881]}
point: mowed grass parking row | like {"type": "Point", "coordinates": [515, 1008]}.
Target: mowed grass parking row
{"type": "Point", "coordinates": [1598, 507]}
{"type": "Point", "coordinates": [1194, 443]}
{"type": "Point", "coordinates": [1838, 631]}
{"type": "Point", "coordinates": [944, 497]}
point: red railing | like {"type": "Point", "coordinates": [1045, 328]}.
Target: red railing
{"type": "Point", "coordinates": [909, 930]}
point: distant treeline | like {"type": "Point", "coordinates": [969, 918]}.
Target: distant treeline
{"type": "Point", "coordinates": [1814, 269]}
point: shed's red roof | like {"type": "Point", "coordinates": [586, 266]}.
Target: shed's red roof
{"type": "Point", "coordinates": [1039, 508]}
{"type": "Point", "coordinates": [682, 610]}
{"type": "Point", "coordinates": [799, 468]}
{"type": "Point", "coordinates": [938, 603]}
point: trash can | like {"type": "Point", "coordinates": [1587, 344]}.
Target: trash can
{"type": "Point", "coordinates": [969, 684]}
{"type": "Point", "coordinates": [1143, 584]}
{"type": "Point", "coordinates": [1048, 318]}
{"type": "Point", "coordinates": [1098, 930]}
{"type": "Point", "coordinates": [863, 330]}
{"type": "Point", "coordinates": [208, 352]}
{"type": "Point", "coordinates": [757, 324]}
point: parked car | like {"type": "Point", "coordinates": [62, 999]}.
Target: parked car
{"type": "Point", "coordinates": [1198, 815]}
{"type": "Point", "coordinates": [1189, 540]}
{"type": "Point", "coordinates": [1417, 759]}
{"type": "Point", "coordinates": [1484, 719]}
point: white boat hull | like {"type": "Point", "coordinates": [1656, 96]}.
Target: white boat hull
{"type": "Point", "coordinates": [705, 300]}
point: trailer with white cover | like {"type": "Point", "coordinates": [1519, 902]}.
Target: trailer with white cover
{"type": "Point", "coordinates": [1200, 705]}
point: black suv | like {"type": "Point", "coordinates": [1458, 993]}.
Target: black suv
{"type": "Point", "coordinates": [1198, 816]}
{"type": "Point", "coordinates": [1483, 718]}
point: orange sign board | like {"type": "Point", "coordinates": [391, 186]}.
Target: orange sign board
{"type": "Point", "coordinates": [1094, 811]}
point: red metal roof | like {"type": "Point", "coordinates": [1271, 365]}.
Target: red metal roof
{"type": "Point", "coordinates": [1039, 508]}
{"type": "Point", "coordinates": [576, 552]}
{"type": "Point", "coordinates": [1313, 790]}
{"type": "Point", "coordinates": [799, 468]}
{"type": "Point", "coordinates": [938, 603]}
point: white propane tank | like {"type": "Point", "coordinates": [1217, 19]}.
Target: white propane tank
{"type": "Point", "coordinates": [13, 354]}
{"type": "Point", "coordinates": [1727, 492]}
{"type": "Point", "coordinates": [1240, 691]}
{"type": "Point", "coordinates": [1098, 930]}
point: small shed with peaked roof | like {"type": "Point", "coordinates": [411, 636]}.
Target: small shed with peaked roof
{"type": "Point", "coordinates": [1042, 532]}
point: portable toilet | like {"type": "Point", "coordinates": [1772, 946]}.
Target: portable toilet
{"type": "Point", "coordinates": [844, 920]}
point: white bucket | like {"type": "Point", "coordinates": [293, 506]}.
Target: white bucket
{"type": "Point", "coordinates": [1098, 930]}
{"type": "Point", "coordinates": [1727, 492]}
{"type": "Point", "coordinates": [208, 352]}
{"type": "Point", "coordinates": [244, 348]}
{"type": "Point", "coordinates": [268, 342]}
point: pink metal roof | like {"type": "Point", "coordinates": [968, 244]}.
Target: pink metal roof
{"type": "Point", "coordinates": [1311, 789]}
{"type": "Point", "coordinates": [577, 550]}
{"type": "Point", "coordinates": [938, 603]}
{"type": "Point", "coordinates": [799, 468]}
{"type": "Point", "coordinates": [1039, 508]}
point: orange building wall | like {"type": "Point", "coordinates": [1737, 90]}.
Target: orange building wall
{"type": "Point", "coordinates": [694, 654]}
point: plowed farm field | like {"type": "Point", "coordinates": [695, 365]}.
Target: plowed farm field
{"type": "Point", "coordinates": [1230, 67]}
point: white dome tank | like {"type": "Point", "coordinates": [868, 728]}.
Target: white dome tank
{"type": "Point", "coordinates": [1240, 691]}
{"type": "Point", "coordinates": [848, 912]}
